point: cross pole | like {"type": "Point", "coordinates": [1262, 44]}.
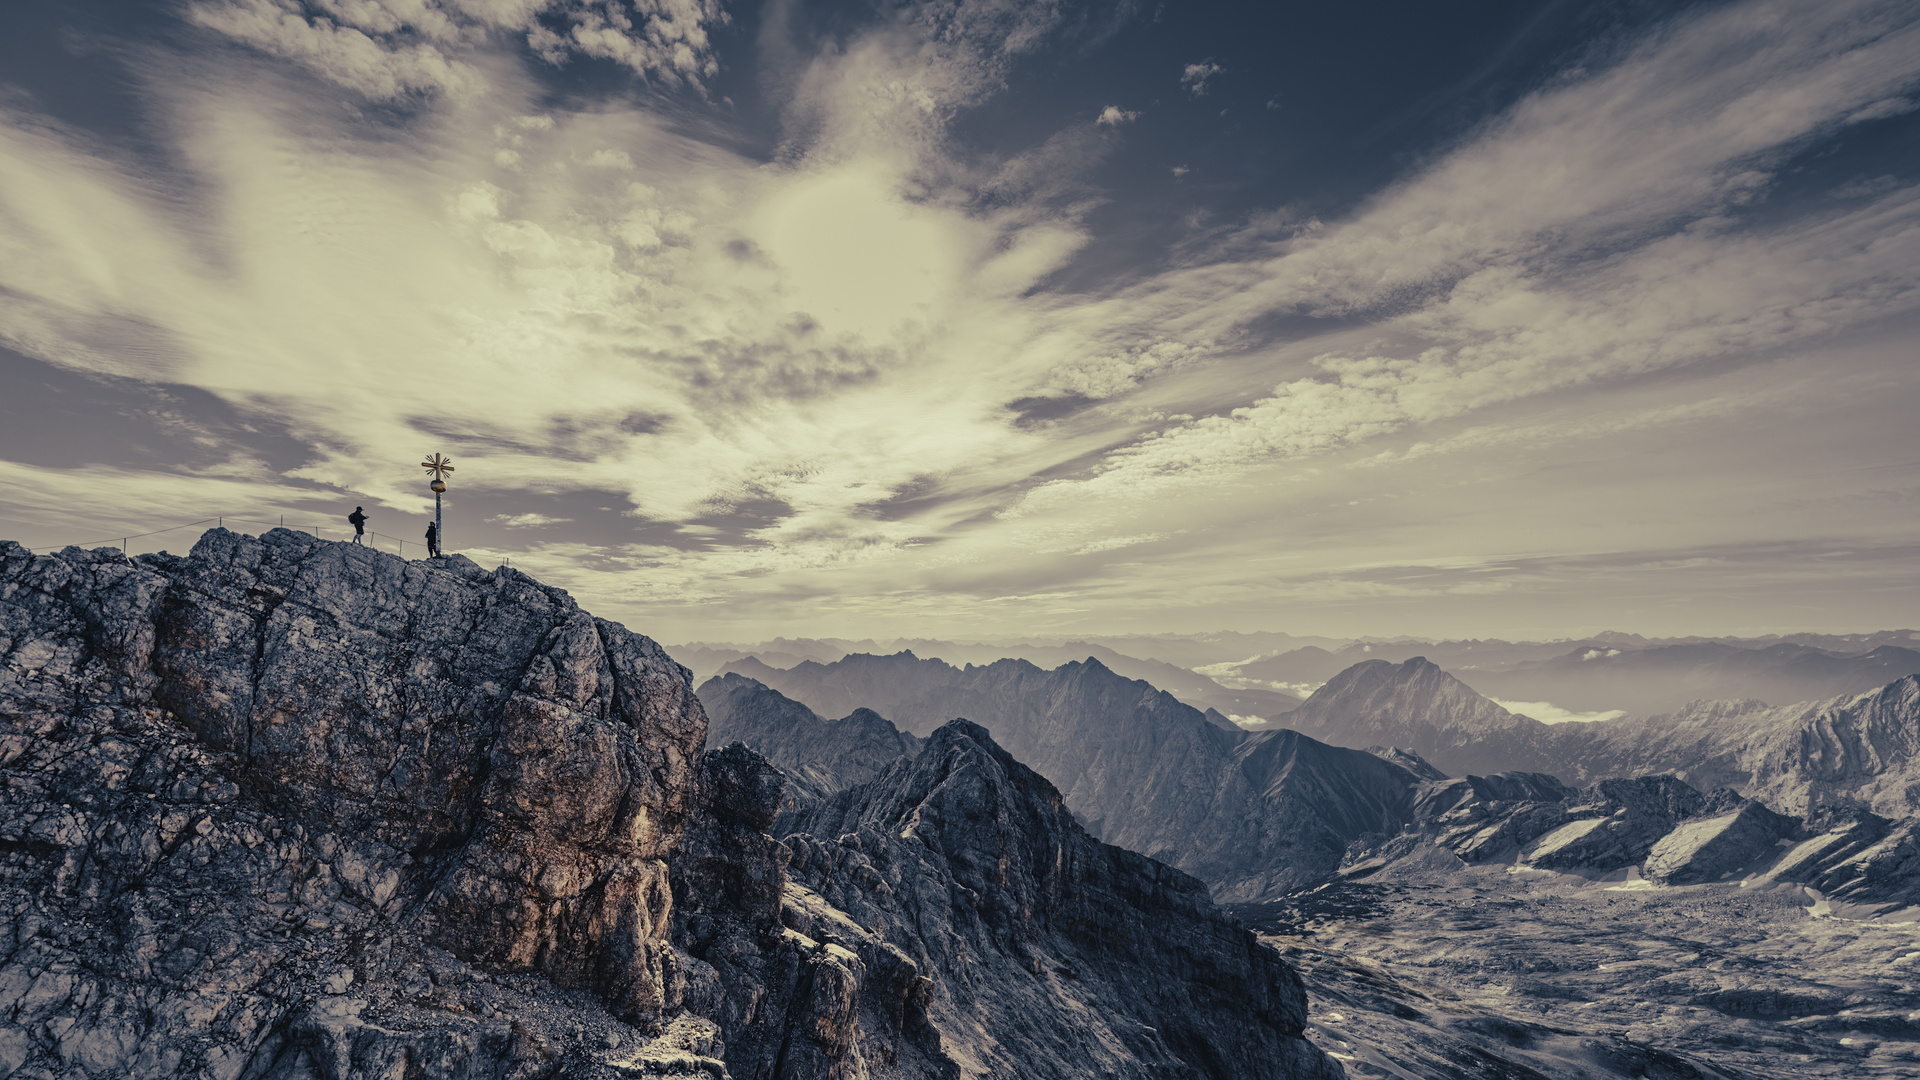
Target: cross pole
{"type": "Point", "coordinates": [438, 467]}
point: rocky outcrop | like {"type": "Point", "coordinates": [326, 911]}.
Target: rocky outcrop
{"type": "Point", "coordinates": [788, 1005]}
{"type": "Point", "coordinates": [1861, 751]}
{"type": "Point", "coordinates": [1058, 956]}
{"type": "Point", "coordinates": [1616, 823]}
{"type": "Point", "coordinates": [282, 805]}
{"type": "Point", "coordinates": [1718, 847]}
{"type": "Point", "coordinates": [1407, 760]}
{"type": "Point", "coordinates": [1659, 827]}
{"type": "Point", "coordinates": [283, 809]}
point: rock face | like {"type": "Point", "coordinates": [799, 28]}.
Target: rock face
{"type": "Point", "coordinates": [243, 782]}
{"type": "Point", "coordinates": [1284, 812]}
{"type": "Point", "coordinates": [1080, 959]}
{"type": "Point", "coordinates": [286, 809]}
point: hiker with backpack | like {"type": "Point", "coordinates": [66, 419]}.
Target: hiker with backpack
{"type": "Point", "coordinates": [433, 540]}
{"type": "Point", "coordinates": [358, 519]}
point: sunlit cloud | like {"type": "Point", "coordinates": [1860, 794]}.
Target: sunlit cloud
{"type": "Point", "coordinates": [1194, 77]}
{"type": "Point", "coordinates": [844, 372]}
{"type": "Point", "coordinates": [1548, 713]}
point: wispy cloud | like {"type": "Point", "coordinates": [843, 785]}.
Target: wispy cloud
{"type": "Point", "coordinates": [843, 382]}
{"type": "Point", "coordinates": [1563, 246]}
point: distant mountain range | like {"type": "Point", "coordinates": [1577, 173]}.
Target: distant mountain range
{"type": "Point", "coordinates": [1248, 813]}
{"type": "Point", "coordinates": [1191, 687]}
{"type": "Point", "coordinates": [1857, 749]}
{"type": "Point", "coordinates": [1256, 814]}
{"type": "Point", "coordinates": [1597, 676]}
{"type": "Point", "coordinates": [1252, 676]}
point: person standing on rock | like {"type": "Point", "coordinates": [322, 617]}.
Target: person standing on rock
{"type": "Point", "coordinates": [433, 540]}
{"type": "Point", "coordinates": [359, 521]}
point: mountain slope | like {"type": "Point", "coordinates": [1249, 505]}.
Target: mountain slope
{"type": "Point", "coordinates": [1418, 706]}
{"type": "Point", "coordinates": [823, 756]}
{"type": "Point", "coordinates": [284, 809]}
{"type": "Point", "coordinates": [1123, 966]}
{"type": "Point", "coordinates": [1248, 814]}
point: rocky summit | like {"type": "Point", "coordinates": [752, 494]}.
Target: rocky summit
{"type": "Point", "coordinates": [1079, 958]}
{"type": "Point", "coordinates": [290, 809]}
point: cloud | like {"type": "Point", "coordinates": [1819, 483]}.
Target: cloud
{"type": "Point", "coordinates": [843, 383]}
{"type": "Point", "coordinates": [1560, 247]}
{"type": "Point", "coordinates": [1548, 713]}
{"type": "Point", "coordinates": [1114, 116]}
{"type": "Point", "coordinates": [1194, 78]}
{"type": "Point", "coordinates": [387, 49]}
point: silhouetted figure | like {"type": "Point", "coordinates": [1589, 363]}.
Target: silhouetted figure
{"type": "Point", "coordinates": [359, 521]}
{"type": "Point", "coordinates": [433, 540]}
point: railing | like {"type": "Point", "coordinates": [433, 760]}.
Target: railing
{"type": "Point", "coordinates": [220, 521]}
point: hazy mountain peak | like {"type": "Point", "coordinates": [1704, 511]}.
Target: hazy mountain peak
{"type": "Point", "coordinates": [1418, 705]}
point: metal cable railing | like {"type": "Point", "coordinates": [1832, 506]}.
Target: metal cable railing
{"type": "Point", "coordinates": [220, 521]}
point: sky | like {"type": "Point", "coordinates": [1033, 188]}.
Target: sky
{"type": "Point", "coordinates": [987, 319]}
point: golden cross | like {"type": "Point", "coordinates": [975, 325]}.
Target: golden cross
{"type": "Point", "coordinates": [438, 466]}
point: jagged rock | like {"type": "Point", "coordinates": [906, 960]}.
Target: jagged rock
{"type": "Point", "coordinates": [1076, 957]}
{"type": "Point", "coordinates": [787, 1005]}
{"type": "Point", "coordinates": [283, 810]}
{"type": "Point", "coordinates": [256, 793]}
{"type": "Point", "coordinates": [1711, 848]}
{"type": "Point", "coordinates": [1489, 818]}
{"type": "Point", "coordinates": [1252, 814]}
{"type": "Point", "coordinates": [1407, 760]}
{"type": "Point", "coordinates": [1616, 823]}
{"type": "Point", "coordinates": [820, 756]}
{"type": "Point", "coordinates": [1862, 750]}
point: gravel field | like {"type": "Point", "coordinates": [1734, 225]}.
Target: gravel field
{"type": "Point", "coordinates": [1487, 973]}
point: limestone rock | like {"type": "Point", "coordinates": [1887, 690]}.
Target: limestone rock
{"type": "Point", "coordinates": [1407, 760]}
{"type": "Point", "coordinates": [1724, 845]}
{"type": "Point", "coordinates": [1052, 955]}
{"type": "Point", "coordinates": [288, 808]}
{"type": "Point", "coordinates": [285, 810]}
